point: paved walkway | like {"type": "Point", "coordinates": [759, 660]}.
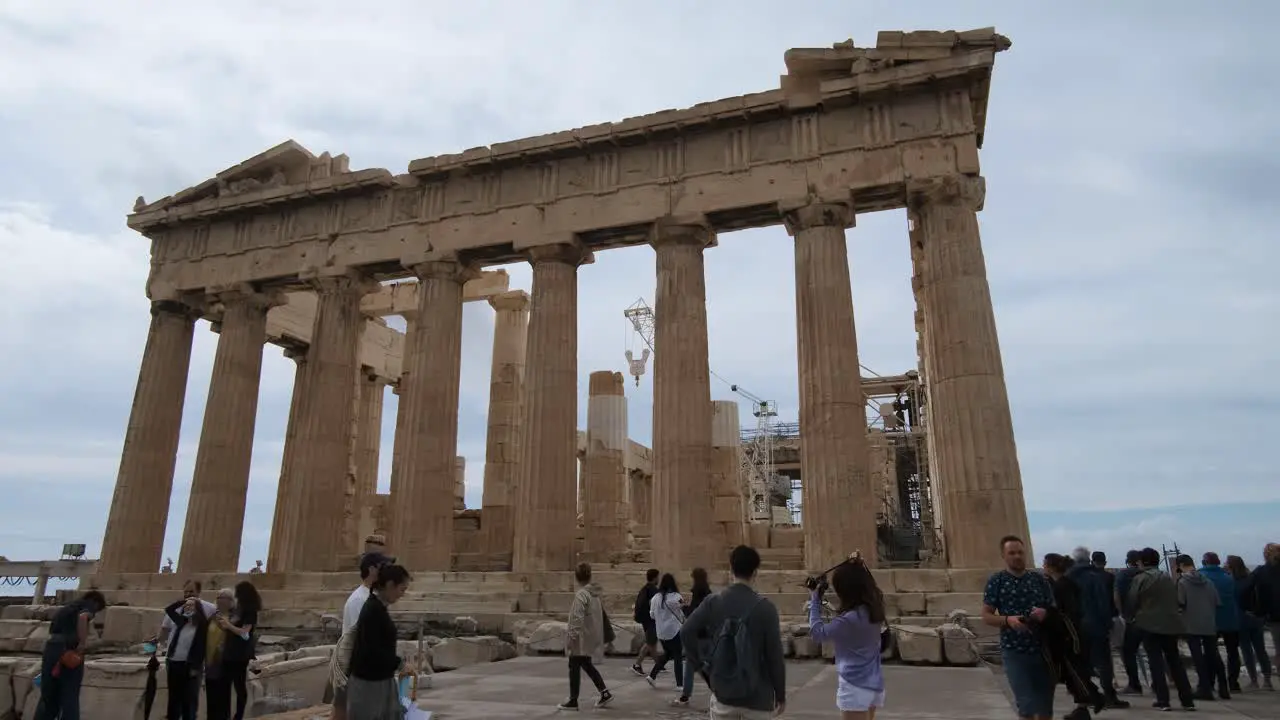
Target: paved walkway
{"type": "Point", "coordinates": [528, 688]}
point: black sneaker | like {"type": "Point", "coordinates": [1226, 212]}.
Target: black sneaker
{"type": "Point", "coordinates": [638, 669]}
{"type": "Point", "coordinates": [681, 701]}
{"type": "Point", "coordinates": [1079, 713]}
{"type": "Point", "coordinates": [1130, 690]}
{"type": "Point", "coordinates": [568, 705]}
{"type": "Point", "coordinates": [1115, 703]}
{"type": "Point", "coordinates": [1162, 707]}
{"type": "Point", "coordinates": [606, 697]}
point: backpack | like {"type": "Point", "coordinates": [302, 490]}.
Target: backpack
{"type": "Point", "coordinates": [642, 605]}
{"type": "Point", "coordinates": [609, 634]}
{"type": "Point", "coordinates": [735, 662]}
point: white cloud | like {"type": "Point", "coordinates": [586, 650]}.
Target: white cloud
{"type": "Point", "coordinates": [1132, 274]}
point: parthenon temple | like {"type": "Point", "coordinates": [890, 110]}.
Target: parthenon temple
{"type": "Point", "coordinates": [299, 250]}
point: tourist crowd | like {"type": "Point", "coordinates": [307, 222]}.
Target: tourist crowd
{"type": "Point", "coordinates": [1062, 625]}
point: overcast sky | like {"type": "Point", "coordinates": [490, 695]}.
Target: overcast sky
{"type": "Point", "coordinates": [1131, 169]}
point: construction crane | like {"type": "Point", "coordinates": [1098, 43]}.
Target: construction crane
{"type": "Point", "coordinates": [759, 479]}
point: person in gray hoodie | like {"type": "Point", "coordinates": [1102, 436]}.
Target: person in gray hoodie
{"type": "Point", "coordinates": [1199, 601]}
{"type": "Point", "coordinates": [1154, 599]}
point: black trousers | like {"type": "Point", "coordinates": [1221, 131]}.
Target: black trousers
{"type": "Point", "coordinates": [217, 696]}
{"type": "Point", "coordinates": [184, 690]}
{"type": "Point", "coordinates": [671, 650]}
{"type": "Point", "coordinates": [1209, 667]}
{"type": "Point", "coordinates": [1129, 655]}
{"type": "Point", "coordinates": [1098, 649]}
{"type": "Point", "coordinates": [1232, 641]}
{"type": "Point", "coordinates": [1164, 659]}
{"type": "Point", "coordinates": [579, 664]}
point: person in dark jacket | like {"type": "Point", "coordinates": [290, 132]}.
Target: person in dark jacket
{"type": "Point", "coordinates": [1265, 584]}
{"type": "Point", "coordinates": [699, 592]}
{"type": "Point", "coordinates": [1153, 596]}
{"type": "Point", "coordinates": [1253, 646]}
{"type": "Point", "coordinates": [59, 681]}
{"type": "Point", "coordinates": [1064, 644]}
{"type": "Point", "coordinates": [1199, 601]}
{"type": "Point", "coordinates": [184, 662]}
{"type": "Point", "coordinates": [239, 643]}
{"type": "Point", "coordinates": [1096, 611]}
{"type": "Point", "coordinates": [371, 682]}
{"type": "Point", "coordinates": [1132, 638]}
{"type": "Point", "coordinates": [643, 598]}
{"type": "Point", "coordinates": [1227, 617]}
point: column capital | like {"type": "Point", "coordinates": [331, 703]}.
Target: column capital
{"type": "Point", "coordinates": [351, 281]}
{"type": "Point", "coordinates": [681, 231]}
{"type": "Point", "coordinates": [965, 190]}
{"type": "Point", "coordinates": [568, 253]}
{"type": "Point", "coordinates": [818, 214]}
{"type": "Point", "coordinates": [513, 300]}
{"type": "Point", "coordinates": [458, 272]}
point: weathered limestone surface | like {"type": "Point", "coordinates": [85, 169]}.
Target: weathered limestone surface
{"type": "Point", "coordinates": [140, 504]}
{"type": "Point", "coordinates": [422, 512]}
{"type": "Point", "coordinates": [502, 444]}
{"type": "Point", "coordinates": [401, 389]}
{"type": "Point", "coordinates": [285, 513]}
{"type": "Point", "coordinates": [882, 469]}
{"type": "Point", "coordinates": [974, 449]}
{"type": "Point", "coordinates": [459, 483]}
{"type": "Point", "coordinates": [604, 475]}
{"type": "Point", "coordinates": [682, 537]}
{"type": "Point", "coordinates": [726, 483]}
{"type": "Point", "coordinates": [838, 518]}
{"type": "Point", "coordinates": [215, 511]}
{"type": "Point", "coordinates": [366, 447]}
{"type": "Point", "coordinates": [547, 489]}
{"type": "Point", "coordinates": [324, 426]}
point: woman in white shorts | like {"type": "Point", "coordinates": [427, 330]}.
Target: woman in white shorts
{"type": "Point", "coordinates": [855, 632]}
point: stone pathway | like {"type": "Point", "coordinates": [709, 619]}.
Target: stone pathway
{"type": "Point", "coordinates": [527, 688]}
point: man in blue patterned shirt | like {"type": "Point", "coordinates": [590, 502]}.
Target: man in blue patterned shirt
{"type": "Point", "coordinates": [1013, 596]}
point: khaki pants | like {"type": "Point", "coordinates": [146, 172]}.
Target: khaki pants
{"type": "Point", "coordinates": [720, 711]}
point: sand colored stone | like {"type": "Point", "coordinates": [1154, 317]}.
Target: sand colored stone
{"type": "Point", "coordinates": [973, 444]}
{"type": "Point", "coordinates": [285, 514]}
{"type": "Point", "coordinates": [604, 474]}
{"type": "Point", "coordinates": [502, 443]}
{"type": "Point", "coordinates": [215, 510]}
{"type": "Point", "coordinates": [727, 486]}
{"type": "Point", "coordinates": [140, 504]}
{"type": "Point", "coordinates": [545, 524]}
{"type": "Point", "coordinates": [422, 514]}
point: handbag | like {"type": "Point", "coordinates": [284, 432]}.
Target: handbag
{"type": "Point", "coordinates": [886, 639]}
{"type": "Point", "coordinates": [609, 634]}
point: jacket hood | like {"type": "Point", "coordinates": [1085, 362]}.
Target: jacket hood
{"type": "Point", "coordinates": [593, 588]}
{"type": "Point", "coordinates": [1194, 579]}
{"type": "Point", "coordinates": [1214, 570]}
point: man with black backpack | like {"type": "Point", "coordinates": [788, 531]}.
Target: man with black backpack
{"type": "Point", "coordinates": [745, 667]}
{"type": "Point", "coordinates": [642, 616]}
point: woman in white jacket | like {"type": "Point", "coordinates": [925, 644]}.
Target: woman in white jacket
{"type": "Point", "coordinates": [585, 639]}
{"type": "Point", "coordinates": [667, 610]}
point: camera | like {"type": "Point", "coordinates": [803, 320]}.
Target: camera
{"type": "Point", "coordinates": [818, 584]}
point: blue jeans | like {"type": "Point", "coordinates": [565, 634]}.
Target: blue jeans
{"type": "Point", "coordinates": [1031, 682]}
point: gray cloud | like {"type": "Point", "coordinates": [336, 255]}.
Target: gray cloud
{"type": "Point", "coordinates": [1128, 229]}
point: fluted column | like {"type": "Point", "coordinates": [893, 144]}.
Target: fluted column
{"type": "Point", "coordinates": [401, 391]}
{"type": "Point", "coordinates": [839, 514]}
{"type": "Point", "coordinates": [972, 428]}
{"type": "Point", "coordinates": [502, 446]}
{"type": "Point", "coordinates": [215, 511]}
{"type": "Point", "coordinates": [139, 512]}
{"type": "Point", "coordinates": [604, 477]}
{"type": "Point", "coordinates": [368, 445]}
{"type": "Point", "coordinates": [285, 514]}
{"type": "Point", "coordinates": [545, 524]}
{"type": "Point", "coordinates": [422, 515]}
{"type": "Point", "coordinates": [324, 429]}
{"type": "Point", "coordinates": [727, 489]}
{"type": "Point", "coordinates": [681, 536]}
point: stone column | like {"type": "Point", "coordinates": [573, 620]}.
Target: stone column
{"type": "Point", "coordinates": [401, 388]}
{"type": "Point", "coordinates": [604, 478]}
{"type": "Point", "coordinates": [284, 515]}
{"type": "Point", "coordinates": [139, 511]}
{"type": "Point", "coordinates": [367, 450]}
{"type": "Point", "coordinates": [925, 464]}
{"type": "Point", "coordinates": [324, 425]}
{"type": "Point", "coordinates": [727, 490]}
{"type": "Point", "coordinates": [545, 524]}
{"type": "Point", "coordinates": [681, 536]}
{"type": "Point", "coordinates": [502, 447]}
{"type": "Point", "coordinates": [974, 449]}
{"type": "Point", "coordinates": [422, 511]}
{"type": "Point", "coordinates": [459, 483]}
{"type": "Point", "coordinates": [839, 508]}
{"type": "Point", "coordinates": [215, 511]}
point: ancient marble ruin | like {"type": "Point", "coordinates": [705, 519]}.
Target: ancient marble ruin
{"type": "Point", "coordinates": [301, 251]}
